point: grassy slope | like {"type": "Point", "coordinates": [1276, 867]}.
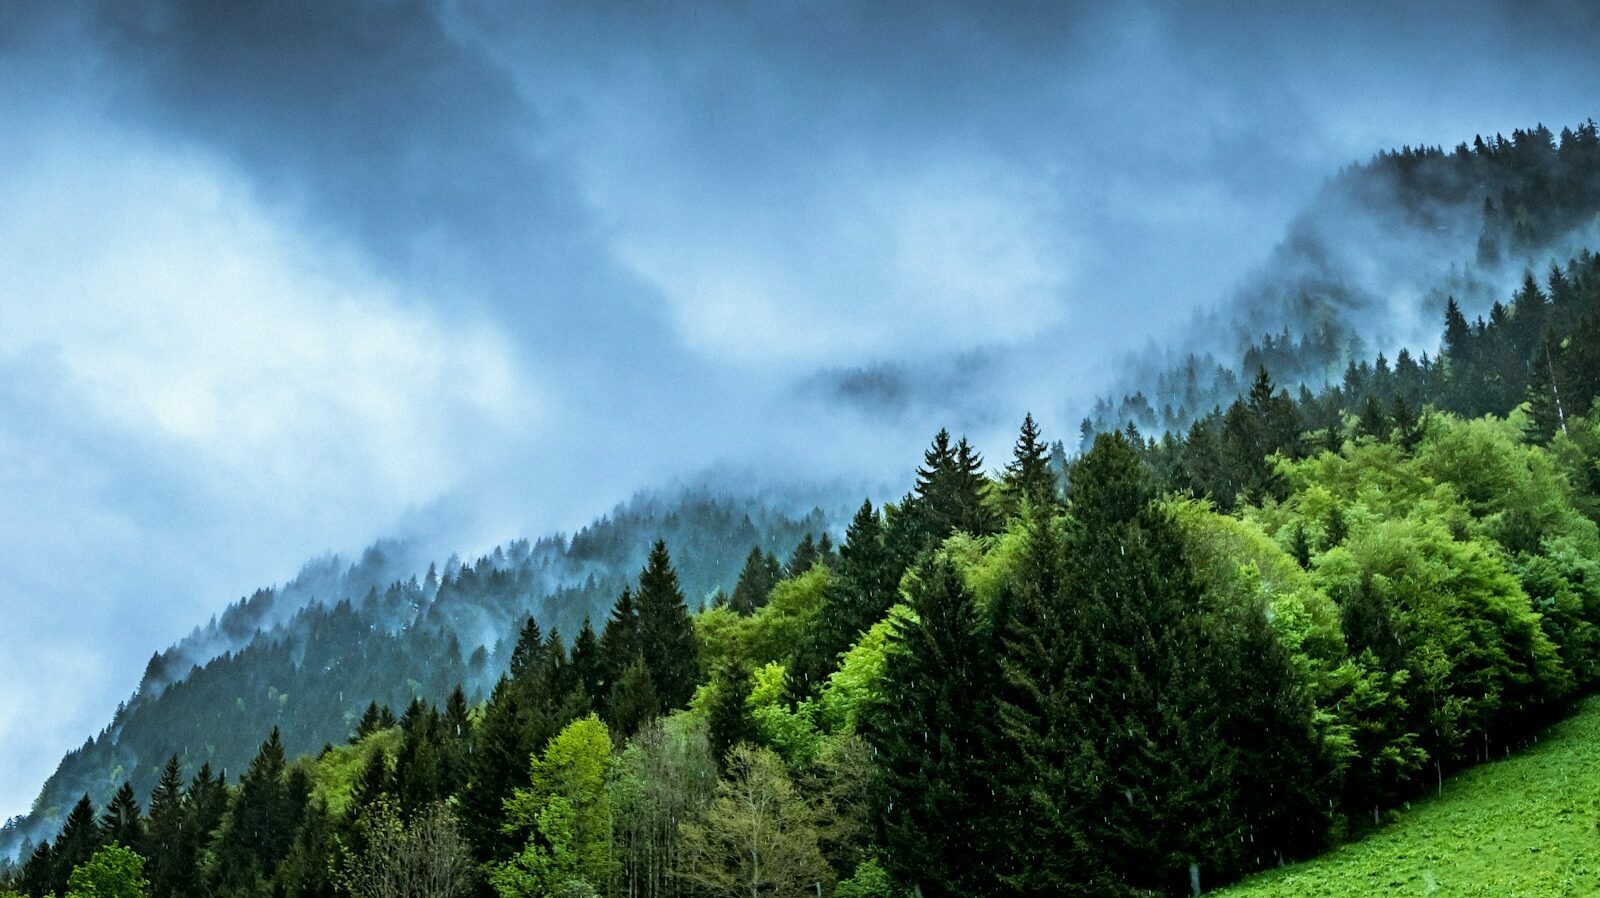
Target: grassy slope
{"type": "Point", "coordinates": [1522, 826]}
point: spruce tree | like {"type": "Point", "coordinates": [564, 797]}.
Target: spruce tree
{"type": "Point", "coordinates": [123, 821]}
{"type": "Point", "coordinates": [261, 820]}
{"type": "Point", "coordinates": [866, 587]}
{"type": "Point", "coordinates": [804, 556]}
{"type": "Point", "coordinates": [667, 640]}
{"type": "Point", "coordinates": [930, 729]}
{"type": "Point", "coordinates": [208, 798]}
{"type": "Point", "coordinates": [633, 701]}
{"type": "Point", "coordinates": [499, 757]}
{"type": "Point", "coordinates": [760, 573]}
{"type": "Point", "coordinates": [79, 839]}
{"type": "Point", "coordinates": [373, 783]}
{"type": "Point", "coordinates": [588, 667]}
{"type": "Point", "coordinates": [619, 642]}
{"type": "Point", "coordinates": [171, 844]}
{"type": "Point", "coordinates": [528, 650]}
{"type": "Point", "coordinates": [1028, 477]}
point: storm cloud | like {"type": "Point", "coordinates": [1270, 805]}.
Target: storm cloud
{"type": "Point", "coordinates": [283, 278]}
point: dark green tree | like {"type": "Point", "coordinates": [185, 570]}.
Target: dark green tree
{"type": "Point", "coordinates": [931, 732]}
{"type": "Point", "coordinates": [171, 841]}
{"type": "Point", "coordinates": [667, 640]}
{"type": "Point", "coordinates": [1028, 476]}
{"type": "Point", "coordinates": [761, 572]}
{"type": "Point", "coordinates": [123, 821]}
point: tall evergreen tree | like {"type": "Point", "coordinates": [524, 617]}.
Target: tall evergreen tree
{"type": "Point", "coordinates": [619, 642]}
{"type": "Point", "coordinates": [499, 755]}
{"type": "Point", "coordinates": [667, 640]}
{"type": "Point", "coordinates": [804, 556]}
{"type": "Point", "coordinates": [866, 587]}
{"type": "Point", "coordinates": [761, 572]}
{"type": "Point", "coordinates": [123, 821]}
{"type": "Point", "coordinates": [80, 838]}
{"type": "Point", "coordinates": [931, 732]}
{"type": "Point", "coordinates": [1028, 476]}
{"type": "Point", "coordinates": [171, 843]}
{"type": "Point", "coordinates": [261, 821]}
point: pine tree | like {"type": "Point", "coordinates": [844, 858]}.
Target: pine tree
{"type": "Point", "coordinates": [1372, 423]}
{"type": "Point", "coordinates": [930, 730]}
{"type": "Point", "coordinates": [261, 820]}
{"type": "Point", "coordinates": [588, 667]}
{"type": "Point", "coordinates": [80, 838]}
{"type": "Point", "coordinates": [804, 556]}
{"type": "Point", "coordinates": [123, 822]}
{"type": "Point", "coordinates": [1125, 736]}
{"type": "Point", "coordinates": [1028, 476]}
{"type": "Point", "coordinates": [529, 649]}
{"type": "Point", "coordinates": [499, 757]}
{"type": "Point", "coordinates": [171, 843]}
{"type": "Point", "coordinates": [867, 586]}
{"type": "Point", "coordinates": [728, 720]}
{"type": "Point", "coordinates": [1300, 545]}
{"type": "Point", "coordinates": [208, 798]}
{"type": "Point", "coordinates": [371, 722]}
{"type": "Point", "coordinates": [761, 572]}
{"type": "Point", "coordinates": [633, 701]}
{"type": "Point", "coordinates": [619, 642]}
{"type": "Point", "coordinates": [667, 640]}
{"type": "Point", "coordinates": [1407, 425]}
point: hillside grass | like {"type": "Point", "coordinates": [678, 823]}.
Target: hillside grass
{"type": "Point", "coordinates": [1521, 826]}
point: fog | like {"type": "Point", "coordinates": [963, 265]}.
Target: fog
{"type": "Point", "coordinates": [282, 279]}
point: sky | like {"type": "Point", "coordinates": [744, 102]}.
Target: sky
{"type": "Point", "coordinates": [279, 279]}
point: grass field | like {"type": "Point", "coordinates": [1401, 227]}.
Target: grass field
{"type": "Point", "coordinates": [1522, 826]}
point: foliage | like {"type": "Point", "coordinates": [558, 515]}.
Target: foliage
{"type": "Point", "coordinates": [564, 816]}
{"type": "Point", "coordinates": [114, 871]}
{"type": "Point", "coordinates": [757, 837]}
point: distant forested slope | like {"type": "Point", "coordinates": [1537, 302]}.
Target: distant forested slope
{"type": "Point", "coordinates": [308, 657]}
{"type": "Point", "coordinates": [1365, 268]}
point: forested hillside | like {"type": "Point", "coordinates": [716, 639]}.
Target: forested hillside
{"type": "Point", "coordinates": [308, 657]}
{"type": "Point", "coordinates": [1380, 249]}
{"type": "Point", "coordinates": [1190, 659]}
{"type": "Point", "coordinates": [1250, 618]}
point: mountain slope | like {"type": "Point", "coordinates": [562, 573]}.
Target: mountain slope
{"type": "Point", "coordinates": [309, 656]}
{"type": "Point", "coordinates": [1521, 826]}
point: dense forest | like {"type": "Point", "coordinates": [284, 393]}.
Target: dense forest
{"type": "Point", "coordinates": [1384, 243]}
{"type": "Point", "coordinates": [1175, 662]}
{"type": "Point", "coordinates": [310, 655]}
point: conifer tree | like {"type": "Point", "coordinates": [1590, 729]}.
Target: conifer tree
{"type": "Point", "coordinates": [761, 572]}
{"type": "Point", "coordinates": [529, 649]}
{"type": "Point", "coordinates": [867, 586]}
{"type": "Point", "coordinates": [208, 799]}
{"type": "Point", "coordinates": [1028, 476]}
{"type": "Point", "coordinates": [261, 821]}
{"type": "Point", "coordinates": [619, 642]}
{"type": "Point", "coordinates": [804, 556]}
{"type": "Point", "coordinates": [667, 640]}
{"type": "Point", "coordinates": [931, 731]}
{"type": "Point", "coordinates": [588, 667]}
{"type": "Point", "coordinates": [499, 754]}
{"type": "Point", "coordinates": [79, 839]}
{"type": "Point", "coordinates": [123, 821]}
{"type": "Point", "coordinates": [633, 701]}
{"type": "Point", "coordinates": [171, 843]}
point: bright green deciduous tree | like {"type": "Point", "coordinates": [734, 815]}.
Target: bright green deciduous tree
{"type": "Point", "coordinates": [564, 815]}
